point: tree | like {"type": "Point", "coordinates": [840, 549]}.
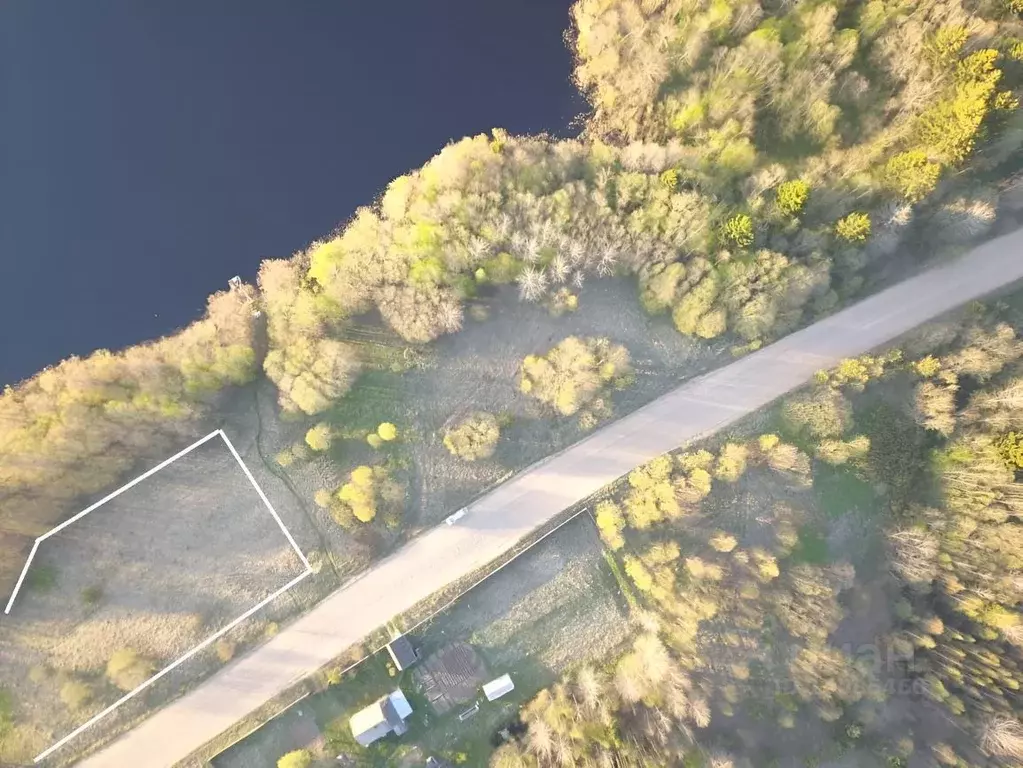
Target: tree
{"type": "Point", "coordinates": [653, 494]}
{"type": "Point", "coordinates": [660, 285]}
{"type": "Point", "coordinates": [695, 313]}
{"type": "Point", "coordinates": [474, 437]}
{"type": "Point", "coordinates": [1010, 448]}
{"type": "Point", "coordinates": [792, 196]}
{"type": "Point", "coordinates": [575, 373]}
{"type": "Point", "coordinates": [387, 432]}
{"type": "Point", "coordinates": [854, 228]}
{"type": "Point", "coordinates": [738, 230]}
{"type": "Point", "coordinates": [299, 758]}
{"type": "Point", "coordinates": [949, 128]}
{"type": "Point", "coordinates": [912, 175]}
{"type": "Point", "coordinates": [310, 370]}
{"type": "Point", "coordinates": [935, 406]}
{"type": "Point", "coordinates": [311, 373]}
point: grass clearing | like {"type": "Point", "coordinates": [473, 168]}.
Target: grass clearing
{"type": "Point", "coordinates": [841, 491]}
{"type": "Point", "coordinates": [128, 589]}
{"type": "Point", "coordinates": [423, 391]}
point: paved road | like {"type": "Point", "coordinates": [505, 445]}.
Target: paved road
{"type": "Point", "coordinates": [493, 524]}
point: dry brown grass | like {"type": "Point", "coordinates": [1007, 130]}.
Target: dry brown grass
{"type": "Point", "coordinates": [133, 586]}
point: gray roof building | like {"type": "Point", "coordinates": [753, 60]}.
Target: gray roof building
{"type": "Point", "coordinates": [402, 653]}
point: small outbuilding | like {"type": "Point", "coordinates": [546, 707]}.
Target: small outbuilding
{"type": "Point", "coordinates": [403, 654]}
{"type": "Point", "coordinates": [498, 687]}
{"type": "Point", "coordinates": [385, 715]}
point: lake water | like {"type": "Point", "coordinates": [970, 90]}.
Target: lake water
{"type": "Point", "coordinates": [150, 151]}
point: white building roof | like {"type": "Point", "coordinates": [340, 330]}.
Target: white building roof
{"type": "Point", "coordinates": [378, 719]}
{"type": "Point", "coordinates": [498, 687]}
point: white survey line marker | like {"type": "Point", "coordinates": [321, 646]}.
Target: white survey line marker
{"type": "Point", "coordinates": [205, 643]}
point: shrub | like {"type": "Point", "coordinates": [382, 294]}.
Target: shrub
{"type": "Point", "coordinates": [225, 649]}
{"type": "Point", "coordinates": [75, 694]}
{"type": "Point", "coordinates": [319, 437]}
{"type": "Point", "coordinates": [821, 412]}
{"type": "Point", "coordinates": [301, 451]}
{"type": "Point", "coordinates": [369, 488]}
{"type": "Point", "coordinates": [854, 228]}
{"type": "Point", "coordinates": [562, 301]}
{"type": "Point", "coordinates": [1010, 448]}
{"type": "Point", "coordinates": [723, 542]}
{"type": "Point", "coordinates": [639, 574]}
{"type": "Point", "coordinates": [610, 523]}
{"type": "Point", "coordinates": [502, 268]}
{"type": "Point", "coordinates": [127, 670]}
{"type": "Point", "coordinates": [475, 437]}
{"type": "Point", "coordinates": [843, 451]}
{"type": "Point", "coordinates": [738, 230]}
{"type": "Point", "coordinates": [575, 373]}
{"type": "Point", "coordinates": [731, 462]}
{"type": "Point", "coordinates": [927, 366]}
{"type": "Point", "coordinates": [285, 458]}
{"type": "Point", "coordinates": [300, 758]}
{"type": "Point", "coordinates": [322, 498]}
{"type": "Point", "coordinates": [792, 197]}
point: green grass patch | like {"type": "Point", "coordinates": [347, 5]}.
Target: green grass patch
{"type": "Point", "coordinates": [841, 491]}
{"type": "Point", "coordinates": [375, 398]}
{"type": "Point", "coordinates": [621, 582]}
{"type": "Point", "coordinates": [812, 547]}
{"type": "Point", "coordinates": [42, 578]}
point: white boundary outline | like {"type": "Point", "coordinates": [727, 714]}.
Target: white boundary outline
{"type": "Point", "coordinates": [205, 643]}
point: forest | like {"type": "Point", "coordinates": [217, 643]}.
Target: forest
{"type": "Point", "coordinates": [751, 166]}
{"type": "Point", "coordinates": [845, 586]}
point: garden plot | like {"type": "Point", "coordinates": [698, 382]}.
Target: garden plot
{"type": "Point", "coordinates": [552, 608]}
{"type": "Point", "coordinates": [132, 586]}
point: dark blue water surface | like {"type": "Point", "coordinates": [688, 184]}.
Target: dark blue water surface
{"type": "Point", "coordinates": [151, 150]}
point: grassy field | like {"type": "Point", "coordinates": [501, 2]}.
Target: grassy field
{"type": "Point", "coordinates": [554, 607]}
{"type": "Point", "coordinates": [144, 578]}
{"type": "Point", "coordinates": [423, 390]}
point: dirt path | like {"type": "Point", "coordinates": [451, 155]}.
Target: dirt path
{"type": "Point", "coordinates": [494, 523]}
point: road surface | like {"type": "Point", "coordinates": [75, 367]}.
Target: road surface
{"type": "Point", "coordinates": [494, 523]}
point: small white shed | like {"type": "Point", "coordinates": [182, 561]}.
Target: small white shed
{"type": "Point", "coordinates": [497, 688]}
